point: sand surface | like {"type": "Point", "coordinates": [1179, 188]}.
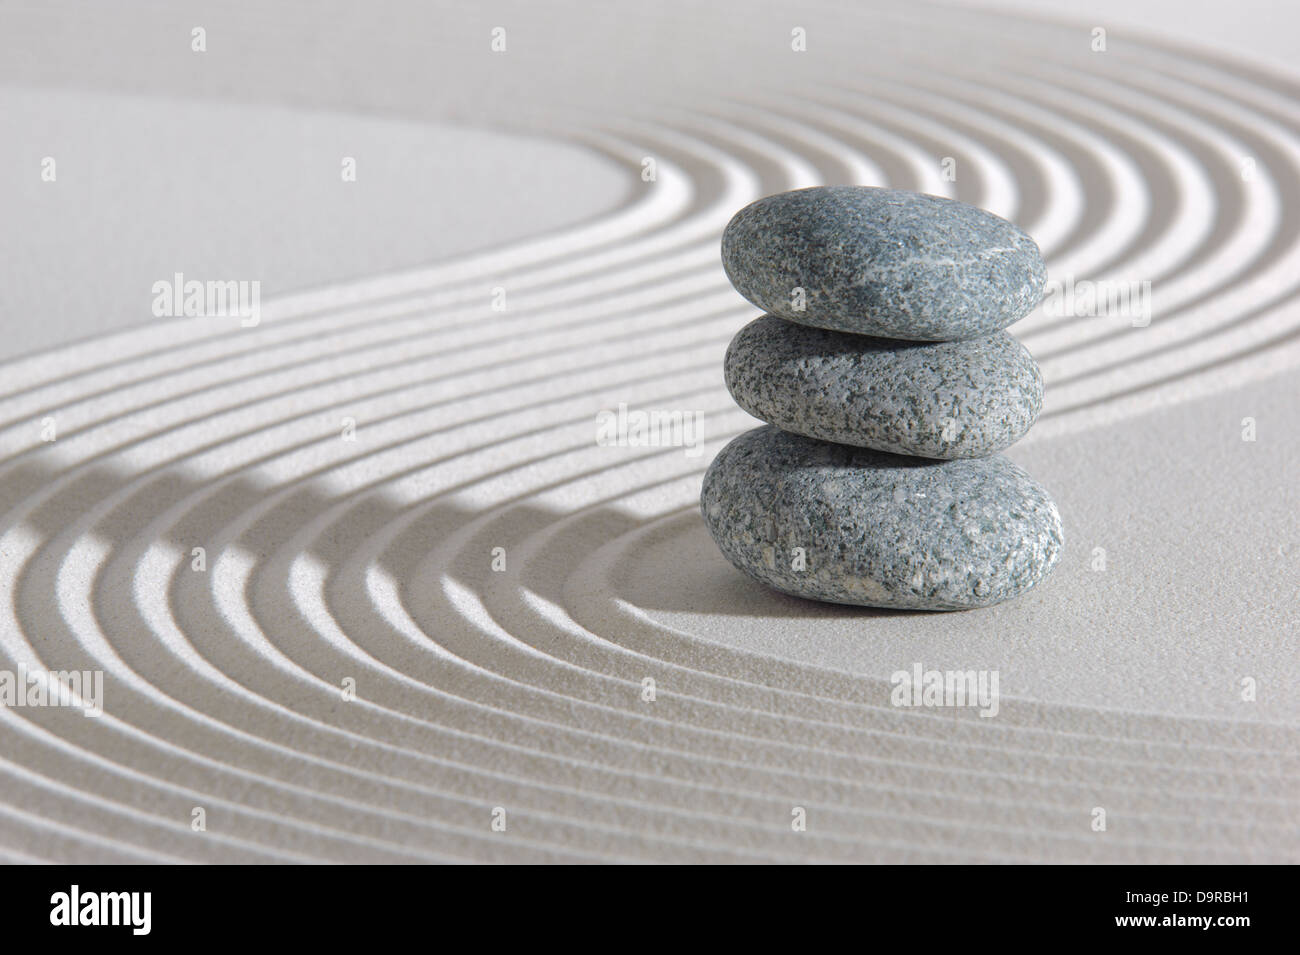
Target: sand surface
{"type": "Point", "coordinates": [353, 463]}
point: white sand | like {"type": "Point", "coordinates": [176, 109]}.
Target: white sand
{"type": "Point", "coordinates": [371, 559]}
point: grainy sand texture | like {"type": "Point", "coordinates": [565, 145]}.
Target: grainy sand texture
{"type": "Point", "coordinates": [364, 579]}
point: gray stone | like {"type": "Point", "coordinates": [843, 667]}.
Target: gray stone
{"type": "Point", "coordinates": [877, 529]}
{"type": "Point", "coordinates": [883, 262]}
{"type": "Point", "coordinates": [965, 399]}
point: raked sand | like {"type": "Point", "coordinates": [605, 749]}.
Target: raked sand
{"type": "Point", "coordinates": [398, 488]}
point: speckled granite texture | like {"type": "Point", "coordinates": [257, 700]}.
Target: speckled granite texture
{"type": "Point", "coordinates": [878, 529]}
{"type": "Point", "coordinates": [883, 262]}
{"type": "Point", "coordinates": [964, 399]}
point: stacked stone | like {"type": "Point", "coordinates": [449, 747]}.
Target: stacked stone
{"type": "Point", "coordinates": [890, 387]}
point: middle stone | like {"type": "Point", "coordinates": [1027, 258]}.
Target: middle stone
{"type": "Point", "coordinates": [944, 400]}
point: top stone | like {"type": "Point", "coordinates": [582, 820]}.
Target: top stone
{"type": "Point", "coordinates": [883, 262]}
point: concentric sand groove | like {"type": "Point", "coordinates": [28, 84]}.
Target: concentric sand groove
{"type": "Point", "coordinates": [521, 686]}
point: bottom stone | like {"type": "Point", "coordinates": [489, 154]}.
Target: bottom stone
{"type": "Point", "coordinates": [854, 526]}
